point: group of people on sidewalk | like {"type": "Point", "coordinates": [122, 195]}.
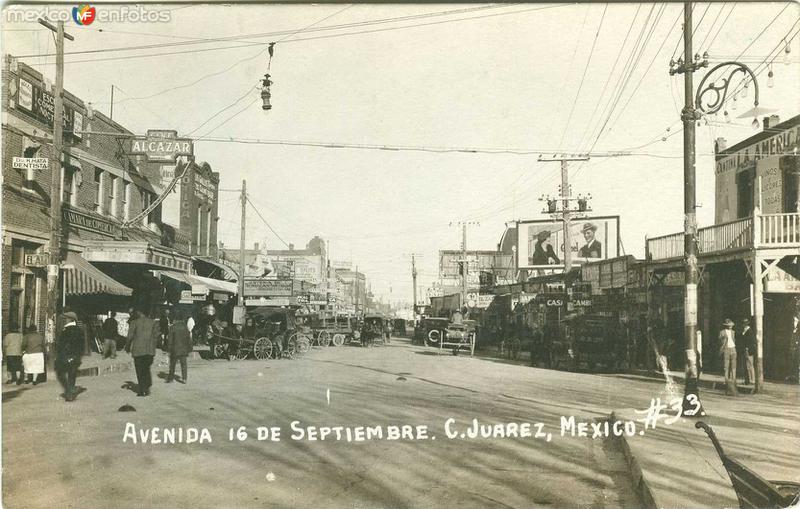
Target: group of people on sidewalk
{"type": "Point", "coordinates": [25, 353]}
{"type": "Point", "coordinates": [732, 347]}
{"type": "Point", "coordinates": [145, 335]}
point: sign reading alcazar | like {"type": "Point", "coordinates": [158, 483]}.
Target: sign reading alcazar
{"type": "Point", "coordinates": [162, 145]}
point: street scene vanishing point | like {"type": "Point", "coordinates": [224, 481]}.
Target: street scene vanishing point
{"type": "Point", "coordinates": [411, 255]}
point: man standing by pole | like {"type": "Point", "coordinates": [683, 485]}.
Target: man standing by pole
{"type": "Point", "coordinates": [55, 187]}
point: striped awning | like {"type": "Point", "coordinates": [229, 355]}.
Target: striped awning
{"type": "Point", "coordinates": [83, 278]}
{"type": "Point", "coordinates": [214, 285]}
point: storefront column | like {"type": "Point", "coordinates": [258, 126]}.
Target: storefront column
{"type": "Point", "coordinates": [758, 315]}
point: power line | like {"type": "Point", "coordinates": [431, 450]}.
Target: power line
{"type": "Point", "coordinates": [231, 105]}
{"type": "Point", "coordinates": [719, 30]}
{"type": "Point", "coordinates": [204, 40]}
{"type": "Point", "coordinates": [713, 24]}
{"type": "Point", "coordinates": [265, 221]}
{"type": "Point", "coordinates": [610, 74]}
{"type": "Point", "coordinates": [583, 76]}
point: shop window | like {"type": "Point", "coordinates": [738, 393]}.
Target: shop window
{"type": "Point", "coordinates": [24, 285]}
{"type": "Point", "coordinates": [98, 183]}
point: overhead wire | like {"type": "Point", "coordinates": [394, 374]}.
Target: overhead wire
{"type": "Point", "coordinates": [719, 30]}
{"type": "Point", "coordinates": [207, 40]}
{"type": "Point", "coordinates": [583, 76]}
{"type": "Point", "coordinates": [610, 74]}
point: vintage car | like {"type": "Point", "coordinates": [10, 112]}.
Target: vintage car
{"type": "Point", "coordinates": [434, 329]}
{"type": "Point", "coordinates": [459, 336]}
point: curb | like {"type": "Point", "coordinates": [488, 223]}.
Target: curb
{"type": "Point", "coordinates": [681, 380]}
{"type": "Point", "coordinates": [108, 368]}
{"type": "Point", "coordinates": [640, 485]}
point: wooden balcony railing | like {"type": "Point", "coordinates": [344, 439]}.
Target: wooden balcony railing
{"type": "Point", "coordinates": [771, 230]}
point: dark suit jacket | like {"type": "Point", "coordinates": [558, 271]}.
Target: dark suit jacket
{"type": "Point", "coordinates": [70, 344]}
{"type": "Point", "coordinates": [143, 335]}
{"type": "Point", "coordinates": [179, 343]}
{"type": "Point", "coordinates": [593, 251]}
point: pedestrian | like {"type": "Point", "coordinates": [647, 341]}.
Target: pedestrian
{"type": "Point", "coordinates": [727, 351]}
{"type": "Point", "coordinates": [12, 351]}
{"type": "Point", "coordinates": [33, 358]}
{"type": "Point", "coordinates": [179, 344]}
{"type": "Point", "coordinates": [110, 335]}
{"type": "Point", "coordinates": [143, 335]}
{"type": "Point", "coordinates": [747, 351]}
{"type": "Point", "coordinates": [69, 349]}
{"type": "Point", "coordinates": [164, 324]}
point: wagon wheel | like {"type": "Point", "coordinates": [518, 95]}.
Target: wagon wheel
{"type": "Point", "coordinates": [243, 350]}
{"type": "Point", "coordinates": [262, 349]}
{"type": "Point", "coordinates": [338, 339]}
{"type": "Point", "coordinates": [291, 347]}
{"type": "Point", "coordinates": [303, 343]}
{"type": "Point", "coordinates": [219, 351]}
{"type": "Point", "coordinates": [324, 338]}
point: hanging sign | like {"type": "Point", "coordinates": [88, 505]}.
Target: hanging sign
{"type": "Point", "coordinates": [162, 145]}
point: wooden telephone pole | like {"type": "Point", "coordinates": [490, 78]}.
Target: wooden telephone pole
{"type": "Point", "coordinates": [566, 210]}
{"type": "Point", "coordinates": [54, 247]}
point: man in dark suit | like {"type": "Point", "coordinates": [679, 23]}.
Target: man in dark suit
{"type": "Point", "coordinates": [593, 247]}
{"type": "Point", "coordinates": [143, 334]}
{"type": "Point", "coordinates": [69, 349]}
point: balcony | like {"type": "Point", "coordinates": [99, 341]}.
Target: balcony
{"type": "Point", "coordinates": [771, 231]}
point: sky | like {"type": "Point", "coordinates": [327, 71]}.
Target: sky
{"type": "Point", "coordinates": [513, 78]}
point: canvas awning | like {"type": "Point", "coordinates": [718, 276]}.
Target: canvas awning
{"type": "Point", "coordinates": [83, 278]}
{"type": "Point", "coordinates": [213, 285]}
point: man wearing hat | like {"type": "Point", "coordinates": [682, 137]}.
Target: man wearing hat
{"type": "Point", "coordinates": [69, 349]}
{"type": "Point", "coordinates": [747, 349]}
{"type": "Point", "coordinates": [593, 248]}
{"type": "Point", "coordinates": [727, 349]}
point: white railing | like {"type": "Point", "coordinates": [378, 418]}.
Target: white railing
{"type": "Point", "coordinates": [668, 246]}
{"type": "Point", "coordinates": [779, 230]}
{"type": "Point", "coordinates": [721, 237]}
{"type": "Point", "coordinates": [771, 230]}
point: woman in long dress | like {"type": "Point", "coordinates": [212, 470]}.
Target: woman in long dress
{"type": "Point", "coordinates": [33, 358]}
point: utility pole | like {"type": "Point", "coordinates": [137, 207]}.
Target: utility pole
{"type": "Point", "coordinates": [566, 210]}
{"type": "Point", "coordinates": [241, 243]}
{"type": "Point", "coordinates": [414, 280]}
{"type": "Point", "coordinates": [53, 266]}
{"type": "Point", "coordinates": [463, 262]}
{"type": "Point", "coordinates": [355, 306]}
{"type": "Point", "coordinates": [689, 115]}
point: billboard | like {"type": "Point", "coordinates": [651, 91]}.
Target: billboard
{"type": "Point", "coordinates": [541, 243]}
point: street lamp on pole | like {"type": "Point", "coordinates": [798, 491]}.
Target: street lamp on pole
{"type": "Point", "coordinates": [716, 96]}
{"type": "Point", "coordinates": [712, 94]}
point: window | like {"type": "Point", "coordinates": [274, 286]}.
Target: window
{"type": "Point", "coordinates": [126, 201]}
{"type": "Point", "coordinates": [199, 227]}
{"type": "Point", "coordinates": [112, 184]}
{"type": "Point", "coordinates": [98, 183]}
{"type": "Point", "coordinates": [145, 203]}
{"type": "Point", "coordinates": [68, 186]}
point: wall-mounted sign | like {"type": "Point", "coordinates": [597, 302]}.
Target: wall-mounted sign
{"type": "Point", "coordinates": [85, 221]}
{"type": "Point", "coordinates": [30, 163]}
{"type": "Point", "coordinates": [263, 301]}
{"type": "Point", "coordinates": [221, 297]}
{"type": "Point", "coordinates": [35, 101]}
{"type": "Point", "coordinates": [268, 287]}
{"type": "Point", "coordinates": [187, 297]}
{"type": "Point", "coordinates": [162, 145]}
{"type": "Point", "coordinates": [780, 281]}
{"type": "Point", "coordinates": [36, 260]}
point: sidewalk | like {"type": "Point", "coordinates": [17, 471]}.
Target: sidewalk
{"type": "Point", "coordinates": [717, 382]}
{"type": "Point", "coordinates": [676, 465]}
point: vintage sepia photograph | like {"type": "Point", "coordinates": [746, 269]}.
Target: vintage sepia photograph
{"type": "Point", "coordinates": [400, 255]}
